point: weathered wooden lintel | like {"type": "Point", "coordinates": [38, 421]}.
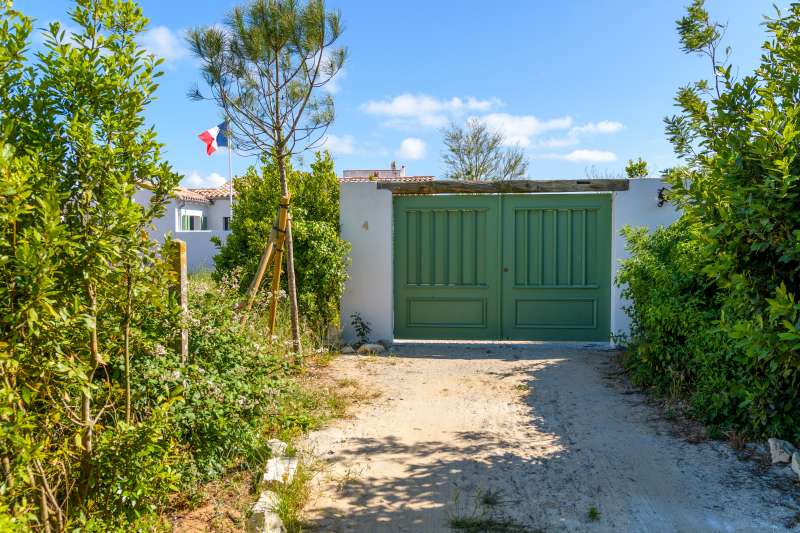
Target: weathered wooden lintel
{"type": "Point", "coordinates": [511, 186]}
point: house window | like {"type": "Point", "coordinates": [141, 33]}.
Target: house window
{"type": "Point", "coordinates": [194, 222]}
{"type": "Point", "coordinates": [226, 223]}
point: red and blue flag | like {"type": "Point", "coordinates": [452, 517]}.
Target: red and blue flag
{"type": "Point", "coordinates": [215, 137]}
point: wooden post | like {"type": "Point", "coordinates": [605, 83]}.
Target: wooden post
{"type": "Point", "coordinates": [266, 259]}
{"type": "Point", "coordinates": [283, 217]}
{"type": "Point", "coordinates": [178, 264]}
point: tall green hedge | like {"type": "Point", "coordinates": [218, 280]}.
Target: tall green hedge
{"type": "Point", "coordinates": [715, 297]}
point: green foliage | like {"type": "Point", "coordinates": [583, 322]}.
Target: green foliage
{"type": "Point", "coordinates": [636, 169]}
{"type": "Point", "coordinates": [361, 327]}
{"type": "Point", "coordinates": [320, 253]}
{"type": "Point", "coordinates": [77, 277]}
{"type": "Point", "coordinates": [715, 298]}
{"type": "Point", "coordinates": [474, 152]}
{"type": "Point", "coordinates": [100, 420]}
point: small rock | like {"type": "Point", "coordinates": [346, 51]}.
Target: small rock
{"type": "Point", "coordinates": [280, 469]}
{"type": "Point", "coordinates": [780, 450]}
{"type": "Point", "coordinates": [796, 463]}
{"type": "Point", "coordinates": [263, 518]}
{"type": "Point", "coordinates": [347, 349]}
{"type": "Point", "coordinates": [385, 343]}
{"type": "Point", "coordinates": [277, 447]}
{"type": "Point", "coordinates": [371, 348]}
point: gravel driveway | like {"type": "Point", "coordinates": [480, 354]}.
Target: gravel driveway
{"type": "Point", "coordinates": [524, 437]}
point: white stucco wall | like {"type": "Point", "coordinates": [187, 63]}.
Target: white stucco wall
{"type": "Point", "coordinates": [216, 211]}
{"type": "Point", "coordinates": [638, 206]}
{"type": "Point", "coordinates": [366, 222]}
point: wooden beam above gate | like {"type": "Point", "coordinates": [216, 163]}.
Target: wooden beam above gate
{"type": "Point", "coordinates": [510, 186]}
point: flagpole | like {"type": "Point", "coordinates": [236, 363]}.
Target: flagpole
{"type": "Point", "coordinates": [230, 176]}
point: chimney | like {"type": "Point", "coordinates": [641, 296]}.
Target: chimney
{"type": "Point", "coordinates": [402, 172]}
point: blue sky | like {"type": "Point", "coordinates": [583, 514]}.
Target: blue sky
{"type": "Point", "coordinates": [579, 84]}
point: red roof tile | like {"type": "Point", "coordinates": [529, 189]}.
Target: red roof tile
{"type": "Point", "coordinates": [190, 195]}
{"type": "Point", "coordinates": [390, 179]}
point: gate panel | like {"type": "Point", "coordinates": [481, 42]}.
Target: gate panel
{"type": "Point", "coordinates": [558, 255]}
{"type": "Point", "coordinates": [447, 282]}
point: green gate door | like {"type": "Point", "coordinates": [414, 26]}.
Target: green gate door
{"type": "Point", "coordinates": [487, 267]}
{"type": "Point", "coordinates": [447, 267]}
{"type": "Point", "coordinates": [556, 267]}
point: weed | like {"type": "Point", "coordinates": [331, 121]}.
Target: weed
{"type": "Point", "coordinates": [486, 515]}
{"type": "Point", "coordinates": [736, 439]}
{"type": "Point", "coordinates": [361, 327]}
{"type": "Point", "coordinates": [292, 497]}
{"type": "Point", "coordinates": [593, 514]}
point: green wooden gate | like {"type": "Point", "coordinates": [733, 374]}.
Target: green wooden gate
{"type": "Point", "coordinates": [512, 266]}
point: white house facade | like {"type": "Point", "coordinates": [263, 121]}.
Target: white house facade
{"type": "Point", "coordinates": [194, 216]}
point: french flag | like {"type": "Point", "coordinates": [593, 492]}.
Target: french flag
{"type": "Point", "coordinates": [215, 137]}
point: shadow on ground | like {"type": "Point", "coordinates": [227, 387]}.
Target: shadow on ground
{"type": "Point", "coordinates": [581, 456]}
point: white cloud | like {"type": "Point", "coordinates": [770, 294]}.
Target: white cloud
{"type": "Point", "coordinates": [584, 156]}
{"type": "Point", "coordinates": [518, 129]}
{"type": "Point", "coordinates": [195, 180]}
{"type": "Point", "coordinates": [412, 148]}
{"type": "Point", "coordinates": [602, 127]}
{"type": "Point", "coordinates": [334, 85]}
{"type": "Point", "coordinates": [412, 109]}
{"type": "Point", "coordinates": [338, 145]}
{"type": "Point", "coordinates": [163, 42]}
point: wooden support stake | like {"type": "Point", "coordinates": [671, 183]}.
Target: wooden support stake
{"type": "Point", "coordinates": [283, 217]}
{"type": "Point", "coordinates": [266, 258]}
{"type": "Point", "coordinates": [178, 264]}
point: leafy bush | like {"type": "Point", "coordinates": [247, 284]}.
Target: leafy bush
{"type": "Point", "coordinates": [320, 253]}
{"type": "Point", "coordinates": [100, 420]}
{"type": "Point", "coordinates": [715, 297]}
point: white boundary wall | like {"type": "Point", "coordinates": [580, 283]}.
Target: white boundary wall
{"type": "Point", "coordinates": [638, 206]}
{"type": "Point", "coordinates": [366, 223]}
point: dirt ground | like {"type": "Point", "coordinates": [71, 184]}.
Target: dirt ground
{"type": "Point", "coordinates": [526, 437]}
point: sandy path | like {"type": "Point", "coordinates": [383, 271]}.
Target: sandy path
{"type": "Point", "coordinates": [540, 426]}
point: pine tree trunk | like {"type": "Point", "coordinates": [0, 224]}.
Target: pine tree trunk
{"type": "Point", "coordinates": [292, 289]}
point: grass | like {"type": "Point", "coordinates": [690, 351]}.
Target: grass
{"type": "Point", "coordinates": [487, 515]}
{"type": "Point", "coordinates": [292, 497]}
{"type": "Point", "coordinates": [593, 514]}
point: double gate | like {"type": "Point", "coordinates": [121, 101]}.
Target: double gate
{"type": "Point", "coordinates": [503, 266]}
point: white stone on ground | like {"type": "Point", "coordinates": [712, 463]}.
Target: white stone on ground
{"type": "Point", "coordinates": [347, 349]}
{"type": "Point", "coordinates": [780, 450]}
{"type": "Point", "coordinates": [263, 518]}
{"type": "Point", "coordinates": [371, 348]}
{"type": "Point", "coordinates": [277, 447]}
{"type": "Point", "coordinates": [281, 469]}
{"type": "Point", "coordinates": [796, 463]}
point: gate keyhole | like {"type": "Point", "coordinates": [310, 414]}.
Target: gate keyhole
{"type": "Point", "coordinates": [505, 269]}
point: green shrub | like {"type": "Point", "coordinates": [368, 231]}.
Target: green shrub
{"type": "Point", "coordinates": [101, 422]}
{"type": "Point", "coordinates": [715, 297]}
{"type": "Point", "coordinates": [320, 254]}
